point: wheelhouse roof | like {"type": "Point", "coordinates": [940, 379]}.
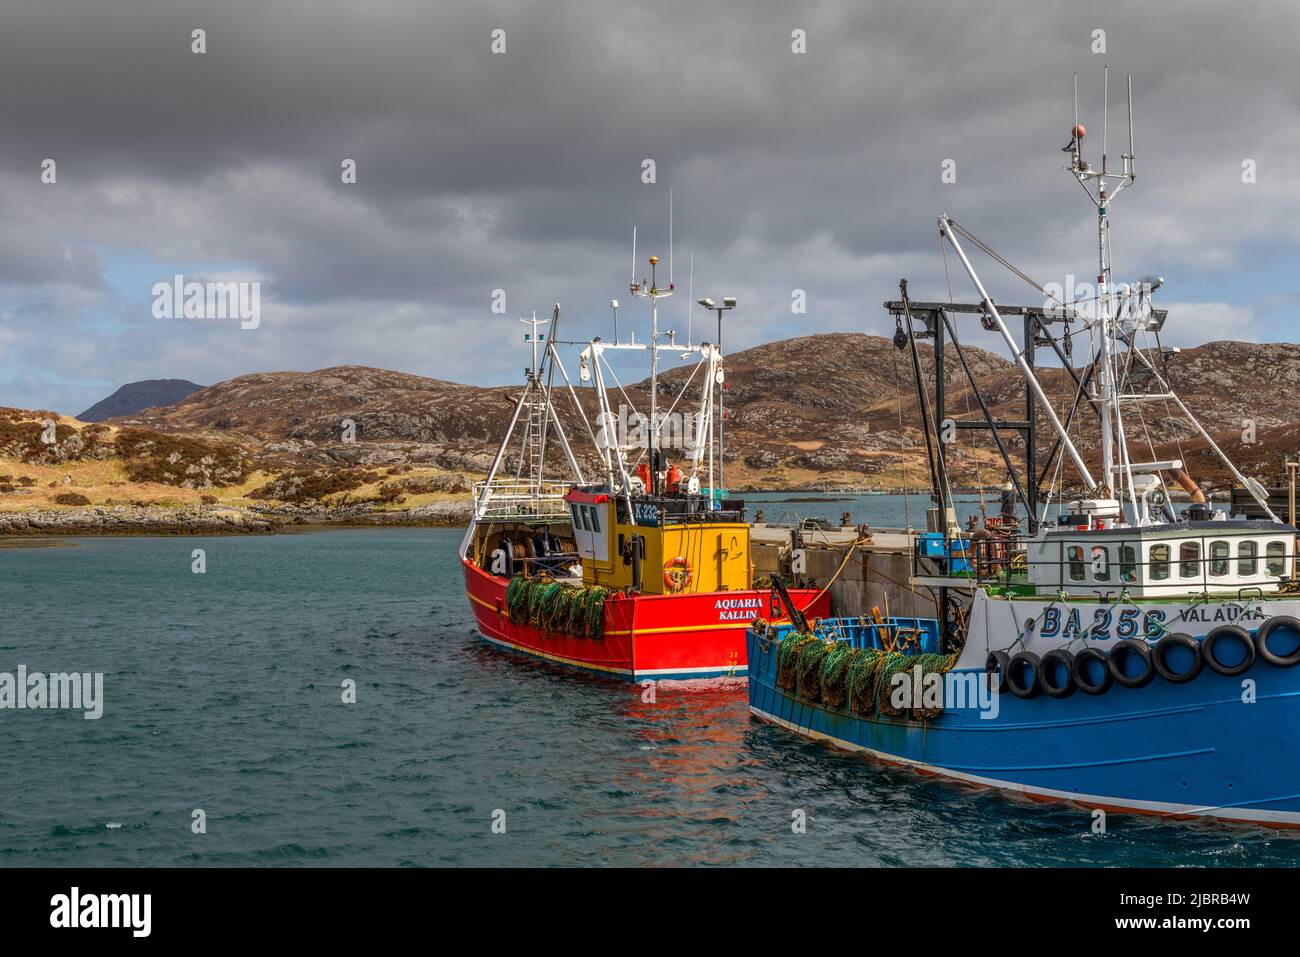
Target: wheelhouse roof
{"type": "Point", "coordinates": [1196, 528]}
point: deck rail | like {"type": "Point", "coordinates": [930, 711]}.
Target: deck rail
{"type": "Point", "coordinates": [520, 500]}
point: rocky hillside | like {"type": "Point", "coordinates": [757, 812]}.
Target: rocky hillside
{"type": "Point", "coordinates": [818, 411]}
{"type": "Point", "coordinates": [832, 411]}
{"type": "Point", "coordinates": [785, 428]}
{"type": "Point", "coordinates": [304, 416]}
{"type": "Point", "coordinates": [62, 475]}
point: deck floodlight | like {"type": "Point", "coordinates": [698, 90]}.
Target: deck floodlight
{"type": "Point", "coordinates": [706, 303]}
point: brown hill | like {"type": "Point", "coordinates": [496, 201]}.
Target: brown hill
{"type": "Point", "coordinates": [816, 411]}
{"type": "Point", "coordinates": [300, 416]}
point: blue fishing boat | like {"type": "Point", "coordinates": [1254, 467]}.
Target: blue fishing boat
{"type": "Point", "coordinates": [1112, 648]}
{"type": "Point", "coordinates": [1182, 747]}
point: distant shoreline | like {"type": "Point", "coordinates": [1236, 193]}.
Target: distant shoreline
{"type": "Point", "coordinates": [157, 520]}
{"type": "Point", "coordinates": [221, 519]}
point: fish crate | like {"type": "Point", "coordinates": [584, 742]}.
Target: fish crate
{"type": "Point", "coordinates": [952, 554]}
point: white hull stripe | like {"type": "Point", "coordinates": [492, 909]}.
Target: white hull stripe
{"type": "Point", "coordinates": [1253, 815]}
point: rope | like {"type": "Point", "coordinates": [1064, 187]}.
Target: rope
{"type": "Point", "coordinates": [902, 433]}
{"type": "Point", "coordinates": [843, 563]}
{"type": "Point", "coordinates": [979, 467]}
{"type": "Point", "coordinates": [1008, 265]}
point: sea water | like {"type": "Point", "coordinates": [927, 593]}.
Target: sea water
{"type": "Point", "coordinates": [322, 699]}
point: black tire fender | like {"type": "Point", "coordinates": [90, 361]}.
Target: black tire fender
{"type": "Point", "coordinates": [1178, 640]}
{"type": "Point", "coordinates": [1028, 662]}
{"type": "Point", "coordinates": [1083, 680]}
{"type": "Point", "coordinates": [1121, 651]}
{"type": "Point", "coordinates": [1228, 633]}
{"type": "Point", "coordinates": [1047, 666]}
{"type": "Point", "coordinates": [996, 664]}
{"type": "Point", "coordinates": [1266, 630]}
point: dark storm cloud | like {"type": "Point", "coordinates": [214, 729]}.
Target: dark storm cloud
{"type": "Point", "coordinates": [522, 171]}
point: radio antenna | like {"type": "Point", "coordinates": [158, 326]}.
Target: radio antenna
{"type": "Point", "coordinates": [690, 300]}
{"type": "Point", "coordinates": [670, 235]}
{"type": "Point", "coordinates": [1076, 102]}
{"type": "Point", "coordinates": [633, 254]}
{"type": "Point", "coordinates": [1102, 185]}
{"type": "Point", "coordinates": [1130, 126]}
{"type": "Point", "coordinates": [1105, 116]}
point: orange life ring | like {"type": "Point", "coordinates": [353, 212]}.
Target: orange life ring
{"type": "Point", "coordinates": [678, 574]}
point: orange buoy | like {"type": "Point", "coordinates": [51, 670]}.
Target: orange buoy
{"type": "Point", "coordinates": [678, 574]}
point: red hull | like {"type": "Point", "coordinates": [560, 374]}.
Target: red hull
{"type": "Point", "coordinates": [646, 636]}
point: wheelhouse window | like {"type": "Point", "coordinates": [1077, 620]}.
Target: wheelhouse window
{"type": "Point", "coordinates": [1075, 555]}
{"type": "Point", "coordinates": [1128, 569]}
{"type": "Point", "coordinates": [1247, 558]}
{"type": "Point", "coordinates": [1189, 560]}
{"type": "Point", "coordinates": [1159, 562]}
{"type": "Point", "coordinates": [595, 517]}
{"type": "Point", "coordinates": [1275, 559]}
{"type": "Point", "coordinates": [586, 523]}
{"type": "Point", "coordinates": [1101, 563]}
{"type": "Point", "coordinates": [1219, 552]}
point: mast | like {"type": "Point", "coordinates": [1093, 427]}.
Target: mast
{"type": "Point", "coordinates": [651, 291]}
{"type": "Point", "coordinates": [1102, 186]}
{"type": "Point", "coordinates": [532, 451]}
{"type": "Point", "coordinates": [1119, 318]}
{"type": "Point", "coordinates": [533, 417]}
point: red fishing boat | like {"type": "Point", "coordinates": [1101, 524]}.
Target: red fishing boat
{"type": "Point", "coordinates": [645, 573]}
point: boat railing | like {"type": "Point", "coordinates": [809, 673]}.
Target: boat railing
{"type": "Point", "coordinates": [998, 558]}
{"type": "Point", "coordinates": [1188, 564]}
{"type": "Point", "coordinates": [520, 500]}
{"type": "Point", "coordinates": [986, 559]}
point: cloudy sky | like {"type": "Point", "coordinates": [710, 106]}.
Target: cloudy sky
{"type": "Point", "coordinates": [523, 171]}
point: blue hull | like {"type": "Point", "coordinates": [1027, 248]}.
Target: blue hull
{"type": "Point", "coordinates": [1192, 749]}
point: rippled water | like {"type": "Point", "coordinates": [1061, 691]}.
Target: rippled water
{"type": "Point", "coordinates": [223, 693]}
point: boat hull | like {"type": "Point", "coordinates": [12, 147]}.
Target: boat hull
{"type": "Point", "coordinates": [1216, 746]}
{"type": "Point", "coordinates": [646, 637]}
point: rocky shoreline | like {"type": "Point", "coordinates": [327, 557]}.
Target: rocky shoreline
{"type": "Point", "coordinates": [223, 519]}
